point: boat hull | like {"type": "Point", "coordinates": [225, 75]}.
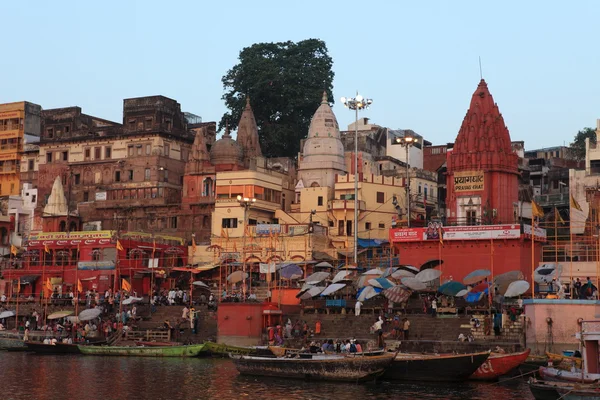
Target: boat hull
{"type": "Point", "coordinates": [156, 344]}
{"type": "Point", "coordinates": [563, 391]}
{"type": "Point", "coordinates": [224, 350]}
{"type": "Point", "coordinates": [499, 364]}
{"type": "Point", "coordinates": [12, 344]}
{"type": "Point", "coordinates": [559, 375]}
{"type": "Point", "coordinates": [426, 367]}
{"type": "Point", "coordinates": [558, 358]}
{"type": "Point", "coordinates": [318, 367]}
{"type": "Point", "coordinates": [167, 351]}
{"type": "Point", "coordinates": [58, 348]}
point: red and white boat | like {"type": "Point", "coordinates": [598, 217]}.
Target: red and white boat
{"type": "Point", "coordinates": [499, 364]}
{"type": "Point", "coordinates": [559, 375]}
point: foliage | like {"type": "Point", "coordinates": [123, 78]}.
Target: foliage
{"type": "Point", "coordinates": [577, 149]}
{"type": "Point", "coordinates": [285, 82]}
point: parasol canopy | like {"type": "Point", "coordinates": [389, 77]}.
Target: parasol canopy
{"type": "Point", "coordinates": [73, 319]}
{"type": "Point", "coordinates": [59, 314]}
{"type": "Point", "coordinates": [324, 264]}
{"type": "Point", "coordinates": [474, 297]}
{"type": "Point", "coordinates": [200, 283]}
{"type": "Point", "coordinates": [517, 288]}
{"type": "Point", "coordinates": [382, 283]}
{"type": "Point", "coordinates": [401, 273]}
{"type": "Point", "coordinates": [503, 280]}
{"type": "Point", "coordinates": [331, 289]}
{"type": "Point", "coordinates": [409, 268]}
{"type": "Point", "coordinates": [291, 271]}
{"type": "Point", "coordinates": [451, 288]}
{"type": "Point", "coordinates": [305, 287]}
{"type": "Point", "coordinates": [373, 271]}
{"type": "Point", "coordinates": [397, 294]}
{"type": "Point", "coordinates": [7, 314]}
{"type": "Point", "coordinates": [237, 276]}
{"type": "Point", "coordinates": [431, 264]}
{"type": "Point", "coordinates": [316, 278]}
{"type": "Point", "coordinates": [340, 276]}
{"type": "Point", "coordinates": [312, 292]}
{"type": "Point", "coordinates": [462, 293]}
{"type": "Point", "coordinates": [131, 300]}
{"type": "Point", "coordinates": [413, 283]}
{"type": "Point", "coordinates": [428, 275]}
{"type": "Point", "coordinates": [368, 292]}
{"type": "Point", "coordinates": [87, 315]}
{"type": "Point", "coordinates": [388, 272]}
{"type": "Point", "coordinates": [476, 276]}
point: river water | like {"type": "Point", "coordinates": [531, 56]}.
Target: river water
{"type": "Point", "coordinates": [30, 376]}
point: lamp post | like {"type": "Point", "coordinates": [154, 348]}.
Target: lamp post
{"type": "Point", "coordinates": [246, 203]}
{"type": "Point", "coordinates": [357, 103]}
{"type": "Point", "coordinates": [407, 141]}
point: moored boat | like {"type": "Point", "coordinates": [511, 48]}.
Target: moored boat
{"type": "Point", "coordinates": [346, 368]}
{"type": "Point", "coordinates": [499, 364]}
{"type": "Point", "coordinates": [223, 350]}
{"type": "Point", "coordinates": [58, 348]}
{"type": "Point", "coordinates": [141, 351]}
{"type": "Point", "coordinates": [576, 376]}
{"type": "Point", "coordinates": [558, 358]}
{"type": "Point", "coordinates": [12, 344]}
{"type": "Point", "coordinates": [434, 367]}
{"type": "Point", "coordinates": [156, 344]}
{"type": "Point", "coordinates": [542, 390]}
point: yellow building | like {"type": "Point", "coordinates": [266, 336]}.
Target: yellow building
{"type": "Point", "coordinates": [17, 121]}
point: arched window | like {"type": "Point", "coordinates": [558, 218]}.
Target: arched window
{"type": "Point", "coordinates": [314, 184]}
{"type": "Point", "coordinates": [72, 226]}
{"type": "Point", "coordinates": [62, 227]}
{"type": "Point", "coordinates": [205, 221]}
{"type": "Point", "coordinates": [207, 187]}
{"type": "Point", "coordinates": [425, 192]}
{"type": "Point", "coordinates": [4, 236]}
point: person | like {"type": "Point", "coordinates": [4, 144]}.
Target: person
{"type": "Point", "coordinates": [185, 313]}
{"type": "Point", "coordinates": [288, 329]}
{"type": "Point", "coordinates": [377, 328]}
{"type": "Point", "coordinates": [433, 307]}
{"type": "Point", "coordinates": [462, 337]}
{"type": "Point", "coordinates": [405, 328]}
{"type": "Point", "coordinates": [357, 307]}
{"type": "Point", "coordinates": [359, 348]}
{"type": "Point", "coordinates": [577, 289]}
{"type": "Point", "coordinates": [2, 328]}
{"type": "Point", "coordinates": [352, 348]}
{"type": "Point", "coordinates": [305, 331]}
{"type": "Point", "coordinates": [318, 327]}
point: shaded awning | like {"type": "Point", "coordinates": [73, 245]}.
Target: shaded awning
{"type": "Point", "coordinates": [206, 268]}
{"type": "Point", "coordinates": [28, 279]}
{"type": "Point", "coordinates": [366, 243]}
{"type": "Point", "coordinates": [321, 256]}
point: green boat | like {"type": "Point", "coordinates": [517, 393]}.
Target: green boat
{"type": "Point", "coordinates": [140, 351]}
{"type": "Point", "coordinates": [224, 350]}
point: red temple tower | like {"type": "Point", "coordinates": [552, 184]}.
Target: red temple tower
{"type": "Point", "coordinates": [482, 177]}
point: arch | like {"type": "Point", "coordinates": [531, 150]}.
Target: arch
{"type": "Point", "coordinates": [207, 187]}
{"type": "Point", "coordinates": [252, 257]}
{"type": "Point", "coordinates": [72, 226]}
{"type": "Point", "coordinates": [315, 184]}
{"type": "Point", "coordinates": [274, 257]}
{"type": "Point", "coordinates": [62, 227]}
{"type": "Point", "coordinates": [205, 221]}
{"type": "Point", "coordinates": [298, 257]}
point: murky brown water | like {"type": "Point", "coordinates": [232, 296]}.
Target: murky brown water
{"type": "Point", "coordinates": [30, 376]}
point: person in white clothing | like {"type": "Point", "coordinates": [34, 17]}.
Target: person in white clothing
{"type": "Point", "coordinates": [357, 307]}
{"type": "Point", "coordinates": [378, 330]}
{"type": "Point", "coordinates": [186, 313]}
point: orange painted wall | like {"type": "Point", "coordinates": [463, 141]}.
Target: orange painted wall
{"type": "Point", "coordinates": [285, 296]}
{"type": "Point", "coordinates": [240, 319]}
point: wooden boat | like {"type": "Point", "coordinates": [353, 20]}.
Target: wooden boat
{"type": "Point", "coordinates": [12, 343]}
{"type": "Point", "coordinates": [560, 375]}
{"type": "Point", "coordinates": [558, 358]}
{"type": "Point", "coordinates": [140, 351]}
{"type": "Point", "coordinates": [223, 350]}
{"type": "Point", "coordinates": [434, 367]}
{"type": "Point", "coordinates": [58, 348]}
{"type": "Point", "coordinates": [564, 391]}
{"type": "Point", "coordinates": [315, 367]}
{"type": "Point", "coordinates": [156, 344]}
{"type": "Point", "coordinates": [499, 364]}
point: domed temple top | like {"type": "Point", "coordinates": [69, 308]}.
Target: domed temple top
{"type": "Point", "coordinates": [247, 134]}
{"type": "Point", "coordinates": [226, 151]}
{"type": "Point", "coordinates": [57, 202]}
{"type": "Point", "coordinates": [483, 141]}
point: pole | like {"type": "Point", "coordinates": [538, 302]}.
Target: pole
{"type": "Point", "coordinates": [407, 188]}
{"type": "Point", "coordinates": [244, 253]}
{"type": "Point", "coordinates": [356, 187]}
{"type": "Point", "coordinates": [532, 257]}
{"type": "Point", "coordinates": [490, 288]}
{"type": "Point", "coordinates": [571, 259]}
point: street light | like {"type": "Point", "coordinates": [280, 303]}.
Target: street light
{"type": "Point", "coordinates": [407, 141]}
{"type": "Point", "coordinates": [246, 203]}
{"type": "Point", "coordinates": [357, 103]}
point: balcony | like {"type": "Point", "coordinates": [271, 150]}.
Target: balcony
{"type": "Point", "coordinates": [552, 200]}
{"type": "Point", "coordinates": [10, 148]}
{"type": "Point", "coordinates": [345, 205]}
{"type": "Point", "coordinates": [12, 169]}
{"type": "Point", "coordinates": [11, 127]}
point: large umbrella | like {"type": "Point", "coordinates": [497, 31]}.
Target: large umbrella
{"type": "Point", "coordinates": [516, 288]}
{"type": "Point", "coordinates": [291, 271]}
{"type": "Point", "coordinates": [503, 280]}
{"type": "Point", "coordinates": [401, 273]}
{"type": "Point", "coordinates": [462, 293]}
{"type": "Point", "coordinates": [413, 283]}
{"type": "Point", "coordinates": [476, 276]}
{"type": "Point", "coordinates": [7, 314]}
{"type": "Point", "coordinates": [431, 264]}
{"type": "Point", "coordinates": [409, 268]}
{"type": "Point", "coordinates": [200, 283]}
{"type": "Point", "coordinates": [428, 275]}
{"type": "Point", "coordinates": [305, 287]}
{"type": "Point", "coordinates": [373, 271]}
{"type": "Point", "coordinates": [59, 314]}
{"type": "Point", "coordinates": [131, 300]}
{"type": "Point", "coordinates": [382, 283]}
{"type": "Point", "coordinates": [87, 315]}
{"type": "Point", "coordinates": [237, 276]}
{"type": "Point", "coordinates": [451, 288]}
{"type": "Point", "coordinates": [482, 287]}
{"type": "Point", "coordinates": [340, 276]}
{"type": "Point", "coordinates": [397, 294]}
{"type": "Point", "coordinates": [331, 289]}
{"type": "Point", "coordinates": [368, 292]}
{"type": "Point", "coordinates": [388, 272]}
{"type": "Point", "coordinates": [474, 297]}
{"type": "Point", "coordinates": [324, 264]}
{"type": "Point", "coordinates": [312, 292]}
{"type": "Point", "coordinates": [316, 278]}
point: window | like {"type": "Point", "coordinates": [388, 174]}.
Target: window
{"type": "Point", "coordinates": [50, 133]}
{"type": "Point", "coordinates": [167, 150]}
{"type": "Point", "coordinates": [77, 178]}
{"type": "Point", "coordinates": [48, 157]}
{"type": "Point", "coordinates": [97, 153]}
{"type": "Point", "coordinates": [130, 150]}
{"type": "Point", "coordinates": [86, 196]}
{"type": "Point", "coordinates": [380, 197]}
{"type": "Point", "coordinates": [148, 149]}
{"type": "Point", "coordinates": [147, 174]}
{"type": "Point", "coordinates": [320, 200]}
{"type": "Point", "coordinates": [348, 228]}
{"type": "Point", "coordinates": [96, 254]}
{"type": "Point", "coordinates": [107, 152]}
{"type": "Point", "coordinates": [30, 165]}
{"type": "Point", "coordinates": [67, 128]}
{"type": "Point", "coordinates": [381, 225]}
{"type": "Point", "coordinates": [368, 226]}
{"type": "Point", "coordinates": [471, 217]}
{"type": "Point", "coordinates": [117, 176]}
{"type": "Point", "coordinates": [340, 228]}
{"type": "Point", "coordinates": [139, 149]}
{"type": "Point", "coordinates": [166, 175]}
{"type": "Point", "coordinates": [33, 198]}
{"type": "Point", "coordinates": [131, 124]}
{"type": "Point", "coordinates": [168, 124]}
{"type": "Point", "coordinates": [425, 193]}
{"type": "Point", "coordinates": [87, 154]}
{"type": "Point", "coordinates": [252, 221]}
{"type": "Point", "coordinates": [65, 156]}
{"type": "Point", "coordinates": [173, 222]}
{"type": "Point", "coordinates": [130, 175]}
{"type": "Point", "coordinates": [229, 223]}
{"type": "Point", "coordinates": [420, 189]}
{"type": "Point", "coordinates": [148, 123]}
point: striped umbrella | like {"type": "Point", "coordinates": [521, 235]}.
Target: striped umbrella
{"type": "Point", "coordinates": [397, 294]}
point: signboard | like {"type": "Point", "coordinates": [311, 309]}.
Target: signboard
{"type": "Point", "coordinates": [100, 196]}
{"type": "Point", "coordinates": [71, 235]}
{"type": "Point", "coordinates": [407, 234]}
{"type": "Point", "coordinates": [298, 230]}
{"type": "Point", "coordinates": [95, 265]}
{"type": "Point", "coordinates": [540, 233]}
{"type": "Point", "coordinates": [10, 114]}
{"type": "Point", "coordinates": [10, 134]}
{"type": "Point", "coordinates": [9, 156]}
{"type": "Point", "coordinates": [478, 232]}
{"type": "Point", "coordinates": [266, 229]}
{"type": "Point", "coordinates": [468, 181]}
{"type": "Point", "coordinates": [65, 243]}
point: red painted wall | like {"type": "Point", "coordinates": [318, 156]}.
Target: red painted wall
{"type": "Point", "coordinates": [285, 296]}
{"type": "Point", "coordinates": [239, 320]}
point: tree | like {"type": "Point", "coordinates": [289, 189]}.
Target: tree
{"type": "Point", "coordinates": [285, 82]}
{"type": "Point", "coordinates": [577, 148]}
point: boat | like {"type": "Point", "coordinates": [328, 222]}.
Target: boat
{"type": "Point", "coordinates": [542, 390]}
{"type": "Point", "coordinates": [58, 348]}
{"type": "Point", "coordinates": [434, 367]}
{"type": "Point", "coordinates": [12, 343]}
{"type": "Point", "coordinates": [156, 344]}
{"type": "Point", "coordinates": [223, 350]}
{"type": "Point", "coordinates": [499, 364]}
{"type": "Point", "coordinates": [346, 368]}
{"type": "Point", "coordinates": [558, 358]}
{"type": "Point", "coordinates": [560, 375]}
{"type": "Point", "coordinates": [143, 351]}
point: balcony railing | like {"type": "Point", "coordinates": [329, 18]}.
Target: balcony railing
{"type": "Point", "coordinates": [552, 200]}
{"type": "Point", "coordinates": [12, 127]}
{"type": "Point", "coordinates": [345, 205]}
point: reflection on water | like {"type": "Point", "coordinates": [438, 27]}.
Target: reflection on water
{"type": "Point", "coordinates": [30, 376]}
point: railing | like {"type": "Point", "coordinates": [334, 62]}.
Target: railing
{"type": "Point", "coordinates": [149, 336]}
{"type": "Point", "coordinates": [345, 205]}
{"type": "Point", "coordinates": [11, 127]}
{"type": "Point", "coordinates": [552, 199]}
{"type": "Point", "coordinates": [8, 170]}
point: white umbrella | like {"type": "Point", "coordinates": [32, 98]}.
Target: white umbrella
{"type": "Point", "coordinates": [373, 271]}
{"type": "Point", "coordinates": [340, 276]}
{"type": "Point", "coordinates": [462, 293]}
{"type": "Point", "coordinates": [413, 283]}
{"type": "Point", "coordinates": [317, 277]}
{"type": "Point", "coordinates": [237, 276]}
{"type": "Point", "coordinates": [381, 283]}
{"type": "Point", "coordinates": [59, 314]}
{"type": "Point", "coordinates": [516, 288]}
{"type": "Point", "coordinates": [131, 300]}
{"type": "Point", "coordinates": [73, 319]}
{"type": "Point", "coordinates": [7, 314]}
{"type": "Point", "coordinates": [331, 289]}
{"type": "Point", "coordinates": [428, 275]}
{"type": "Point", "coordinates": [312, 292]}
{"type": "Point", "coordinates": [324, 264]}
{"type": "Point", "coordinates": [199, 283]}
{"type": "Point", "coordinates": [87, 315]}
{"type": "Point", "coordinates": [401, 273]}
{"type": "Point", "coordinates": [367, 293]}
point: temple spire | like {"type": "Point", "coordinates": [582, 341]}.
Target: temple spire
{"type": "Point", "coordinates": [247, 134]}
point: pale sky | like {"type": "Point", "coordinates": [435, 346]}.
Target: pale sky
{"type": "Point", "coordinates": [418, 60]}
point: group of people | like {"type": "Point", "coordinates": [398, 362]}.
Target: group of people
{"type": "Point", "coordinates": [335, 346]}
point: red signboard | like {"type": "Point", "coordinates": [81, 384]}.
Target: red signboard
{"type": "Point", "coordinates": [478, 232]}
{"type": "Point", "coordinates": [407, 234]}
{"type": "Point", "coordinates": [72, 242]}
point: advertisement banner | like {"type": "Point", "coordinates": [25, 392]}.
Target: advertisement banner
{"type": "Point", "coordinates": [432, 232]}
{"type": "Point", "coordinates": [266, 229]}
{"type": "Point", "coordinates": [71, 235]}
{"type": "Point", "coordinates": [540, 233]}
{"type": "Point", "coordinates": [407, 234]}
{"type": "Point", "coordinates": [95, 265]}
{"type": "Point", "coordinates": [65, 243]}
{"type": "Point", "coordinates": [468, 181]}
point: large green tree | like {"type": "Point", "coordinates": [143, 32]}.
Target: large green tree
{"type": "Point", "coordinates": [577, 150]}
{"type": "Point", "coordinates": [285, 82]}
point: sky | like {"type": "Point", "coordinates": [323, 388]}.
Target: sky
{"type": "Point", "coordinates": [417, 60]}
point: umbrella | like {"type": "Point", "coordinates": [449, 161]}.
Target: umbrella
{"type": "Point", "coordinates": [474, 297]}
{"type": "Point", "coordinates": [503, 280]}
{"type": "Point", "coordinates": [237, 276]}
{"type": "Point", "coordinates": [59, 314]}
{"type": "Point", "coordinates": [428, 275]}
{"type": "Point", "coordinates": [367, 292]}
{"type": "Point", "coordinates": [382, 283]}
{"type": "Point", "coordinates": [89, 314]}
{"type": "Point", "coordinates": [7, 314]}
{"type": "Point", "coordinates": [312, 292]}
{"type": "Point", "coordinates": [200, 283]}
{"type": "Point", "coordinates": [305, 287]}
{"type": "Point", "coordinates": [324, 264]}
{"type": "Point", "coordinates": [340, 276]}
{"type": "Point", "coordinates": [397, 294]}
{"type": "Point", "coordinates": [482, 287]}
{"type": "Point", "coordinates": [291, 271]}
{"type": "Point", "coordinates": [316, 278]}
{"type": "Point", "coordinates": [389, 271]}
{"type": "Point", "coordinates": [73, 319]}
{"type": "Point", "coordinates": [431, 264]}
{"type": "Point", "coordinates": [462, 293]}
{"type": "Point", "coordinates": [331, 289]}
{"type": "Point", "coordinates": [476, 276]}
{"type": "Point", "coordinates": [373, 271]}
{"type": "Point", "coordinates": [402, 273]}
{"type": "Point", "coordinates": [451, 288]}
{"type": "Point", "coordinates": [413, 283]}
{"type": "Point", "coordinates": [409, 268]}
{"type": "Point", "coordinates": [131, 300]}
{"type": "Point", "coordinates": [516, 288]}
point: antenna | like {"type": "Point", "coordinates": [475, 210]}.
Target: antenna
{"type": "Point", "coordinates": [480, 70]}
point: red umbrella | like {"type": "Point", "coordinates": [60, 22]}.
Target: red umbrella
{"type": "Point", "coordinates": [397, 294]}
{"type": "Point", "coordinates": [480, 288]}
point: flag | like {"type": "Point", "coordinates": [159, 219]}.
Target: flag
{"type": "Point", "coordinates": [536, 210]}
{"type": "Point", "coordinates": [126, 286]}
{"type": "Point", "coordinates": [79, 286]}
{"type": "Point", "coordinates": [13, 250]}
{"type": "Point", "coordinates": [557, 216]}
{"type": "Point", "coordinates": [441, 235]}
{"type": "Point", "coordinates": [119, 246]}
{"type": "Point", "coordinates": [575, 204]}
{"type": "Point", "coordinates": [46, 249]}
{"type": "Point", "coordinates": [193, 244]}
{"type": "Point", "coordinates": [48, 287]}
